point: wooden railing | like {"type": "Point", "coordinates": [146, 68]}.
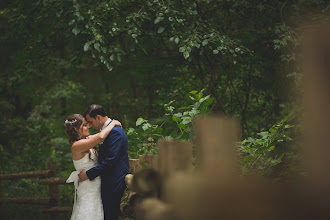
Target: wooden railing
{"type": "Point", "coordinates": [46, 177]}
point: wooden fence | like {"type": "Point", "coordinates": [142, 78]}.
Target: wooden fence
{"type": "Point", "coordinates": [48, 177]}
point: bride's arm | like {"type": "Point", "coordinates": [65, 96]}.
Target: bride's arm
{"type": "Point", "coordinates": [85, 144]}
{"type": "Point", "coordinates": [91, 136]}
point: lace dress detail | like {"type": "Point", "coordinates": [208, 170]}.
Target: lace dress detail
{"type": "Point", "coordinates": [87, 201]}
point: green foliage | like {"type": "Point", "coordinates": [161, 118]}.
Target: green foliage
{"type": "Point", "coordinates": [261, 155]}
{"type": "Point", "coordinates": [195, 36]}
{"type": "Point", "coordinates": [184, 116]}
{"type": "Point", "coordinates": [142, 139]}
{"type": "Point", "coordinates": [175, 124]}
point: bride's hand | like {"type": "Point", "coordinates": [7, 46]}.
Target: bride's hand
{"type": "Point", "coordinates": [115, 122]}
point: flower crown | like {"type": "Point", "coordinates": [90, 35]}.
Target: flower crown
{"type": "Point", "coordinates": [70, 122]}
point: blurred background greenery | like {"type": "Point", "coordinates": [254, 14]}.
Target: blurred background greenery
{"type": "Point", "coordinates": [154, 65]}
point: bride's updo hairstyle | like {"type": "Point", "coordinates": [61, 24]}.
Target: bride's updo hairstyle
{"type": "Point", "coordinates": [72, 125]}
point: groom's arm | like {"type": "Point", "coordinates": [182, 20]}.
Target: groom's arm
{"type": "Point", "coordinates": [113, 146]}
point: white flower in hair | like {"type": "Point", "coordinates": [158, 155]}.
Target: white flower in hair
{"type": "Point", "coordinates": [70, 122]}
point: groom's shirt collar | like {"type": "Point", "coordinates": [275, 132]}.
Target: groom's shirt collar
{"type": "Point", "coordinates": [106, 123]}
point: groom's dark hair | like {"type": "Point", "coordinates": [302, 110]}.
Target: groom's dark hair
{"type": "Point", "coordinates": [94, 110]}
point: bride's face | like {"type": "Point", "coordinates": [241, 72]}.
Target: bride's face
{"type": "Point", "coordinates": [84, 130]}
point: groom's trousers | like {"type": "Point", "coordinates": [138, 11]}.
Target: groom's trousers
{"type": "Point", "coordinates": [111, 204]}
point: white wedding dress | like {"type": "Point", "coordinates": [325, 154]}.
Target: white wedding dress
{"type": "Point", "coordinates": [87, 201]}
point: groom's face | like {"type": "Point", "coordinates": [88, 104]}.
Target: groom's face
{"type": "Point", "coordinates": [94, 122]}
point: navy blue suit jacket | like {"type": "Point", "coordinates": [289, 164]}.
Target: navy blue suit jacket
{"type": "Point", "coordinates": [113, 163]}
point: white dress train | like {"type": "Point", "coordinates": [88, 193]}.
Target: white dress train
{"type": "Point", "coordinates": [87, 202]}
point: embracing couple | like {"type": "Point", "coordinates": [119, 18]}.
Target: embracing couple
{"type": "Point", "coordinates": [99, 178]}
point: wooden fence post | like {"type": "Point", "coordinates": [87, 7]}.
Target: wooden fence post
{"type": "Point", "coordinates": [174, 156]}
{"type": "Point", "coordinates": [317, 104]}
{"type": "Point", "coordinates": [133, 165]}
{"type": "Point", "coordinates": [197, 195]}
{"type": "Point", "coordinates": [54, 191]}
{"type": "Point", "coordinates": [216, 150]}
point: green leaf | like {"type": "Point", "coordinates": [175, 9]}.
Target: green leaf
{"type": "Point", "coordinates": [193, 92]}
{"type": "Point", "coordinates": [168, 138]}
{"type": "Point", "coordinates": [130, 131]}
{"type": "Point", "coordinates": [183, 108]}
{"type": "Point", "coordinates": [272, 130]}
{"type": "Point", "coordinates": [182, 125]}
{"type": "Point", "coordinates": [177, 40]}
{"type": "Point", "coordinates": [178, 114]}
{"type": "Point", "coordinates": [161, 29]}
{"type": "Point", "coordinates": [193, 112]}
{"type": "Point", "coordinates": [97, 46]}
{"type": "Point", "coordinates": [186, 120]}
{"type": "Point", "coordinates": [174, 133]}
{"type": "Point", "coordinates": [175, 118]}
{"type": "Point", "coordinates": [205, 104]}
{"type": "Point", "coordinates": [186, 54]}
{"type": "Point", "coordinates": [86, 46]}
{"type": "Point", "coordinates": [75, 30]}
{"type": "Point", "coordinates": [139, 121]}
{"type": "Point", "coordinates": [146, 126]}
{"type": "Point", "coordinates": [157, 20]}
{"type": "Point", "coordinates": [108, 66]}
{"type": "Point", "coordinates": [159, 130]}
{"type": "Point", "coordinates": [203, 99]}
{"type": "Point", "coordinates": [284, 120]}
{"type": "Point", "coordinates": [199, 96]}
{"type": "Point", "coordinates": [205, 42]}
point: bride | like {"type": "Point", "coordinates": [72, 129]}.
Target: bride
{"type": "Point", "coordinates": [87, 200]}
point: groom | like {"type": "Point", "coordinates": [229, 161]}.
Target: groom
{"type": "Point", "coordinates": [113, 162]}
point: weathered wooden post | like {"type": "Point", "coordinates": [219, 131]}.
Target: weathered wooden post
{"type": "Point", "coordinates": [316, 68]}
{"type": "Point", "coordinates": [216, 140]}
{"type": "Point", "coordinates": [54, 191]}
{"type": "Point", "coordinates": [147, 182]}
{"type": "Point", "coordinates": [134, 199]}
{"type": "Point", "coordinates": [133, 165]}
{"type": "Point", "coordinates": [129, 180]}
{"type": "Point", "coordinates": [152, 208]}
{"type": "Point", "coordinates": [198, 195]}
{"type": "Point", "coordinates": [174, 156]}
{"type": "Point", "coordinates": [126, 209]}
